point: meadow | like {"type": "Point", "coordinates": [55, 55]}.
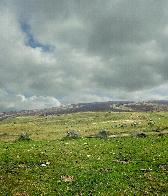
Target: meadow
{"type": "Point", "coordinates": [52, 164]}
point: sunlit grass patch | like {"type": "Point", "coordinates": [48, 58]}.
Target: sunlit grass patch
{"type": "Point", "coordinates": [88, 123]}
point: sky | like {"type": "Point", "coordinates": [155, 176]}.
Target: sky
{"type": "Point", "coordinates": [55, 52]}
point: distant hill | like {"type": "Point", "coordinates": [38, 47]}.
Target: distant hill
{"type": "Point", "coordinates": [110, 106]}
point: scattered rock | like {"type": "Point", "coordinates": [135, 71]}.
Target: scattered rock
{"type": "Point", "coordinates": [20, 194]}
{"type": "Point", "coordinates": [134, 124]}
{"type": "Point", "coordinates": [146, 170]}
{"type": "Point", "coordinates": [151, 122]}
{"type": "Point", "coordinates": [47, 163]}
{"type": "Point", "coordinates": [122, 161]}
{"type": "Point", "coordinates": [73, 134]}
{"type": "Point", "coordinates": [24, 137]}
{"type": "Point", "coordinates": [43, 165]}
{"type": "Point", "coordinates": [67, 178]}
{"type": "Point", "coordinates": [103, 134]}
{"type": "Point", "coordinates": [164, 167]}
{"type": "Point", "coordinates": [141, 134]}
{"type": "Point", "coordinates": [105, 170]}
{"type": "Point", "coordinates": [161, 134]}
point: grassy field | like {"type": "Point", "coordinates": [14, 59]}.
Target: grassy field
{"type": "Point", "coordinates": [55, 127]}
{"type": "Point", "coordinates": [50, 164]}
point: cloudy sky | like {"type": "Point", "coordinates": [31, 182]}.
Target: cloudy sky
{"type": "Point", "coordinates": [69, 51]}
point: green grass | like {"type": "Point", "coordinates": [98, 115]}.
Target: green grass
{"type": "Point", "coordinates": [51, 165]}
{"type": "Point", "coordinates": [55, 127]}
{"type": "Point", "coordinates": [104, 167]}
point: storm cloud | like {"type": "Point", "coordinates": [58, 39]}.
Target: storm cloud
{"type": "Point", "coordinates": [79, 51]}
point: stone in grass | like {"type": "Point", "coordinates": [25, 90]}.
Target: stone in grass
{"type": "Point", "coordinates": [24, 137]}
{"type": "Point", "coordinates": [161, 134]}
{"type": "Point", "coordinates": [73, 134]}
{"type": "Point", "coordinates": [141, 134]}
{"type": "Point", "coordinates": [103, 134]}
{"type": "Point", "coordinates": [67, 178]}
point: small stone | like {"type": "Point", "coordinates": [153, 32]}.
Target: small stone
{"type": "Point", "coordinates": [102, 134]}
{"type": "Point", "coordinates": [43, 165]}
{"type": "Point", "coordinates": [24, 137]}
{"type": "Point", "coordinates": [141, 134]}
{"type": "Point", "coordinates": [73, 134]}
{"type": "Point", "coordinates": [67, 178]}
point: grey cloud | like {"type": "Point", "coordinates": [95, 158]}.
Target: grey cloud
{"type": "Point", "coordinates": [129, 22]}
{"type": "Point", "coordinates": [103, 50]}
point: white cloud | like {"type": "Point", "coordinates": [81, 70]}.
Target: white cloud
{"type": "Point", "coordinates": [37, 102]}
{"type": "Point", "coordinates": [20, 102]}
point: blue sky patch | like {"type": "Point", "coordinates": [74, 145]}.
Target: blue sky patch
{"type": "Point", "coordinates": [31, 41]}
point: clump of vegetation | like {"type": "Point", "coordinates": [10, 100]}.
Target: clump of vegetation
{"type": "Point", "coordinates": [103, 134]}
{"type": "Point", "coordinates": [73, 134]}
{"type": "Point", "coordinates": [24, 137]}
